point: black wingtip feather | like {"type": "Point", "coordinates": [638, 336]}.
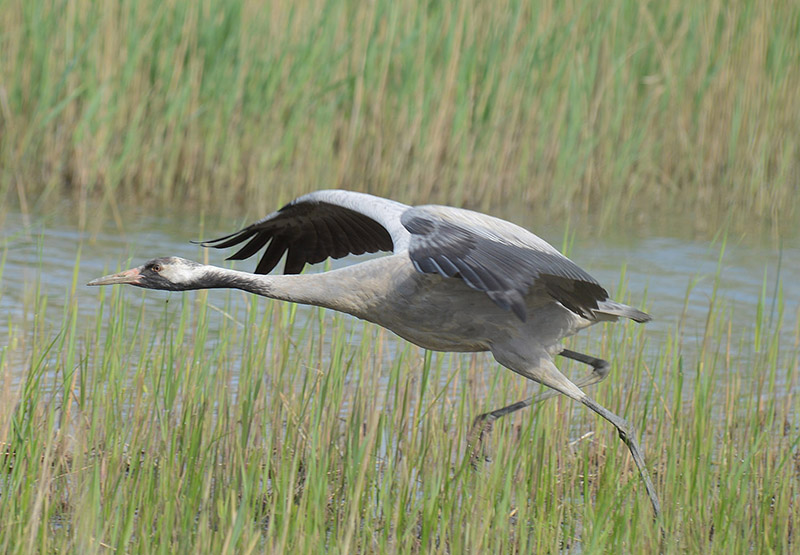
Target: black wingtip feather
{"type": "Point", "coordinates": [211, 242]}
{"type": "Point", "coordinates": [253, 246]}
{"type": "Point", "coordinates": [230, 240]}
{"type": "Point", "coordinates": [295, 261]}
{"type": "Point", "coordinates": [272, 255]}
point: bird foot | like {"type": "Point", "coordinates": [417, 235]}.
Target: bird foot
{"type": "Point", "coordinates": [478, 438]}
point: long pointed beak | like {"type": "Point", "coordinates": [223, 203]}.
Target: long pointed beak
{"type": "Point", "coordinates": [131, 276]}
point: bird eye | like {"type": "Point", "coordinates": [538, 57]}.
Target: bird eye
{"type": "Point", "coordinates": [156, 267]}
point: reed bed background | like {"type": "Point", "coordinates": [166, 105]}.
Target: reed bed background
{"type": "Point", "coordinates": [203, 428]}
{"type": "Point", "coordinates": [147, 432]}
{"type": "Point", "coordinates": [615, 109]}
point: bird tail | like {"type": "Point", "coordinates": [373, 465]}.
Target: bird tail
{"type": "Point", "coordinates": [616, 310]}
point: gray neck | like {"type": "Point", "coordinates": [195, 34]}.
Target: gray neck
{"type": "Point", "coordinates": [327, 289]}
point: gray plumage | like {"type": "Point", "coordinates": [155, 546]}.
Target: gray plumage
{"type": "Point", "coordinates": [456, 280]}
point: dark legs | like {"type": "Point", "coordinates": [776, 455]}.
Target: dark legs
{"type": "Point", "coordinates": [547, 374]}
{"type": "Point", "coordinates": [483, 424]}
{"type": "Point", "coordinates": [626, 434]}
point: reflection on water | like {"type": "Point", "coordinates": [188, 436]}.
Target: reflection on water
{"type": "Point", "coordinates": [659, 268]}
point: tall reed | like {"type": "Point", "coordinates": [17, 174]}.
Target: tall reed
{"type": "Point", "coordinates": [566, 107]}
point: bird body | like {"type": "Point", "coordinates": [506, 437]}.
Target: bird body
{"type": "Point", "coordinates": [456, 280]}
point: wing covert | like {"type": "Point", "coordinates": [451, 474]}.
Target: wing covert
{"type": "Point", "coordinates": [497, 257]}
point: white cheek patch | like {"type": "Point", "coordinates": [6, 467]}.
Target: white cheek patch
{"type": "Point", "coordinates": [178, 274]}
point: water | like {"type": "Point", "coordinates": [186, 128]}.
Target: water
{"type": "Point", "coordinates": [674, 273]}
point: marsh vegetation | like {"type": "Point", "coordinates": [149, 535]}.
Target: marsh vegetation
{"type": "Point", "coordinates": [658, 136]}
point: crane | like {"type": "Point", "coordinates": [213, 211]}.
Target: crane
{"type": "Point", "coordinates": [456, 280]}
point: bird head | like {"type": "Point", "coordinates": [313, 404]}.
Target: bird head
{"type": "Point", "coordinates": [170, 273]}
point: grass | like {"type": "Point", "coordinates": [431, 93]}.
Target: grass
{"type": "Point", "coordinates": [571, 107]}
{"type": "Point", "coordinates": [225, 423]}
{"type": "Point", "coordinates": [217, 424]}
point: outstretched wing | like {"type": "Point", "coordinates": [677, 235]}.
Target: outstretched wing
{"type": "Point", "coordinates": [317, 226]}
{"type": "Point", "coordinates": [497, 257]}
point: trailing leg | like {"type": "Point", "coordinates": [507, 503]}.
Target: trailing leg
{"type": "Point", "coordinates": [483, 424]}
{"type": "Point", "coordinates": [628, 436]}
{"type": "Point", "coordinates": [538, 367]}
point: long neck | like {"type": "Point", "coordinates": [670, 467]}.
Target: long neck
{"type": "Point", "coordinates": [327, 289]}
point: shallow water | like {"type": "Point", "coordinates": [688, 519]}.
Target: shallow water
{"type": "Point", "coordinates": [670, 274]}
